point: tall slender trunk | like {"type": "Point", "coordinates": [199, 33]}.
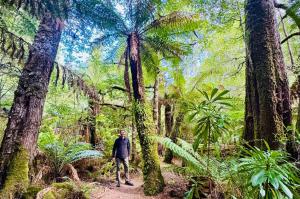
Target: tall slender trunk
{"type": "Point", "coordinates": [20, 138]}
{"type": "Point", "coordinates": [94, 111]}
{"type": "Point", "coordinates": [153, 180]}
{"type": "Point", "coordinates": [169, 120]}
{"type": "Point", "coordinates": [128, 88]}
{"type": "Point", "coordinates": [155, 102]}
{"type": "Point", "coordinates": [175, 132]}
{"type": "Point", "coordinates": [159, 132]}
{"type": "Point", "coordinates": [267, 93]}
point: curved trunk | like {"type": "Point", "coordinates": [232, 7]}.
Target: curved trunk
{"type": "Point", "coordinates": [267, 101]}
{"type": "Point", "coordinates": [153, 180]}
{"type": "Point", "coordinates": [20, 137]}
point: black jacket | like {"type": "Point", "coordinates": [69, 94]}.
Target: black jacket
{"type": "Point", "coordinates": [121, 148]}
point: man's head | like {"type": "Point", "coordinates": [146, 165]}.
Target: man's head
{"type": "Point", "coordinates": [122, 133]}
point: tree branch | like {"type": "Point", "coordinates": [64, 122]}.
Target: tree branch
{"type": "Point", "coordinates": [114, 106]}
{"type": "Point", "coordinates": [290, 36]}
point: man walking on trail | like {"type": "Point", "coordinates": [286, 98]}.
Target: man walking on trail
{"type": "Point", "coordinates": [120, 153]}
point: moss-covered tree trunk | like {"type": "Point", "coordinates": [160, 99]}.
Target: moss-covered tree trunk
{"type": "Point", "coordinates": [20, 138]}
{"type": "Point", "coordinates": [169, 120]}
{"type": "Point", "coordinates": [267, 92]}
{"type": "Point", "coordinates": [153, 180]}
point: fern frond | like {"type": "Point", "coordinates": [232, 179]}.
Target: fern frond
{"type": "Point", "coordinates": [90, 154]}
{"type": "Point", "coordinates": [182, 153]}
{"type": "Point", "coordinates": [167, 47]}
{"type": "Point", "coordinates": [38, 8]}
{"type": "Point", "coordinates": [176, 22]}
{"type": "Point", "coordinates": [102, 14]}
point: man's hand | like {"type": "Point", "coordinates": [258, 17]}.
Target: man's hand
{"type": "Point", "coordinates": [113, 159]}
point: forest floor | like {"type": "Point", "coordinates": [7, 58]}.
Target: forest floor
{"type": "Point", "coordinates": [175, 188]}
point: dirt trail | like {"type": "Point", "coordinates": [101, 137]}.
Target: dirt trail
{"type": "Point", "coordinates": [175, 187]}
{"type": "Point", "coordinates": [123, 192]}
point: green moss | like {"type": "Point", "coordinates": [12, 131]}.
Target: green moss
{"type": "Point", "coordinates": [65, 185]}
{"type": "Point", "coordinates": [153, 179]}
{"type": "Point", "coordinates": [66, 190]}
{"type": "Point", "coordinates": [50, 195]}
{"type": "Point", "coordinates": [31, 192]}
{"type": "Point", "coordinates": [17, 179]}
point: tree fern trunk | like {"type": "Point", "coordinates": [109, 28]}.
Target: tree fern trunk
{"type": "Point", "coordinates": [94, 111]}
{"type": "Point", "coordinates": [169, 120]}
{"type": "Point", "coordinates": [175, 132]}
{"type": "Point", "coordinates": [153, 180]}
{"type": "Point", "coordinates": [267, 93]}
{"type": "Point", "coordinates": [20, 138]}
{"type": "Point", "coordinates": [155, 102]}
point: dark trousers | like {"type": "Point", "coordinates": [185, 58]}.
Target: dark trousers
{"type": "Point", "coordinates": [125, 163]}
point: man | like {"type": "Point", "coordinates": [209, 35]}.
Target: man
{"type": "Point", "coordinates": [120, 153]}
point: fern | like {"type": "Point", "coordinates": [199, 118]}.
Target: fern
{"type": "Point", "coordinates": [194, 163]}
{"type": "Point", "coordinates": [60, 153]}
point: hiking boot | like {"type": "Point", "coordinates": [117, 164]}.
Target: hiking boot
{"type": "Point", "coordinates": [118, 184]}
{"type": "Point", "coordinates": [129, 183]}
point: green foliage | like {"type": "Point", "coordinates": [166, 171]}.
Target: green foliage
{"type": "Point", "coordinates": [185, 151]}
{"type": "Point", "coordinates": [61, 153]}
{"type": "Point", "coordinates": [209, 117]}
{"type": "Point", "coordinates": [269, 173]}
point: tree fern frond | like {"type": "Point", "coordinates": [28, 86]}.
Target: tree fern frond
{"type": "Point", "coordinates": [167, 47]}
{"type": "Point", "coordinates": [150, 59]}
{"type": "Point", "coordinates": [102, 14]}
{"type": "Point", "coordinates": [176, 22]}
{"type": "Point", "coordinates": [38, 8]}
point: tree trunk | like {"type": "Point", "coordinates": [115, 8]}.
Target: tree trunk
{"type": "Point", "coordinates": [175, 132]}
{"type": "Point", "coordinates": [20, 137]}
{"type": "Point", "coordinates": [94, 111]}
{"type": "Point", "coordinates": [155, 102]}
{"type": "Point", "coordinates": [169, 120]}
{"type": "Point", "coordinates": [267, 93]}
{"type": "Point", "coordinates": [153, 180]}
{"type": "Point", "coordinates": [128, 88]}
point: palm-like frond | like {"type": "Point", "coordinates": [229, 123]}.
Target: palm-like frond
{"type": "Point", "coordinates": [150, 58]}
{"type": "Point", "coordinates": [167, 47]}
{"type": "Point", "coordinates": [38, 8]}
{"type": "Point", "coordinates": [102, 14]}
{"type": "Point", "coordinates": [175, 22]}
{"type": "Point", "coordinates": [16, 48]}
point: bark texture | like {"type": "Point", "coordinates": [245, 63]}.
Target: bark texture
{"type": "Point", "coordinates": [20, 137]}
{"type": "Point", "coordinates": [153, 180]}
{"type": "Point", "coordinates": [267, 101]}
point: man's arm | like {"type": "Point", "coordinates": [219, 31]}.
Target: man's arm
{"type": "Point", "coordinates": [114, 149]}
{"type": "Point", "coordinates": [128, 147]}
